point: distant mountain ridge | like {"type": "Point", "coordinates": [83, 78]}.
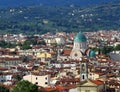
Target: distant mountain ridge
{"type": "Point", "coordinates": [13, 3]}
{"type": "Point", "coordinates": [42, 19]}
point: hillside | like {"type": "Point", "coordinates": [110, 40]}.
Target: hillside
{"type": "Point", "coordinates": [12, 3]}
{"type": "Point", "coordinates": [41, 19]}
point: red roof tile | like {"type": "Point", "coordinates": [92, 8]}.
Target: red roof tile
{"type": "Point", "coordinates": [98, 82]}
{"type": "Point", "coordinates": [66, 87]}
{"type": "Point", "coordinates": [66, 52]}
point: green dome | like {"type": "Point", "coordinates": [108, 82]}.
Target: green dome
{"type": "Point", "coordinates": [92, 53]}
{"type": "Point", "coordinates": [80, 37]}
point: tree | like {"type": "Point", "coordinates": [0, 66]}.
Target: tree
{"type": "Point", "coordinates": [117, 47]}
{"type": "Point", "coordinates": [107, 49]}
{"type": "Point", "coordinates": [3, 89]}
{"type": "Point", "coordinates": [4, 44]}
{"type": "Point", "coordinates": [25, 86]}
{"type": "Point", "coordinates": [18, 77]}
{"type": "Point", "coordinates": [25, 47]}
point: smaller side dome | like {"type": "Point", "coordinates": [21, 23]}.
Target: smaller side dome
{"type": "Point", "coordinates": [92, 54]}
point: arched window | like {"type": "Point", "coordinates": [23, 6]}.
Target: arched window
{"type": "Point", "coordinates": [83, 67]}
{"type": "Point", "coordinates": [83, 77]}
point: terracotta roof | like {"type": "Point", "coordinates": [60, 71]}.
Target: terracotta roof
{"type": "Point", "coordinates": [99, 73]}
{"type": "Point", "coordinates": [52, 53]}
{"type": "Point", "coordinates": [66, 87]}
{"type": "Point", "coordinates": [9, 59]}
{"type": "Point", "coordinates": [66, 52]}
{"type": "Point", "coordinates": [110, 75]}
{"type": "Point", "coordinates": [23, 69]}
{"type": "Point", "coordinates": [98, 82]}
{"type": "Point", "coordinates": [9, 86]}
{"type": "Point", "coordinates": [3, 69]}
{"type": "Point", "coordinates": [37, 47]}
{"type": "Point", "coordinates": [50, 89]}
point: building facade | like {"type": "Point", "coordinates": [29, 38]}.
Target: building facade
{"type": "Point", "coordinates": [40, 80]}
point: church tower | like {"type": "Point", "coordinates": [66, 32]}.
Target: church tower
{"type": "Point", "coordinates": [79, 46]}
{"type": "Point", "coordinates": [84, 70]}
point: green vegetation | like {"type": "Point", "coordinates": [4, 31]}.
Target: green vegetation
{"type": "Point", "coordinates": [4, 44]}
{"type": "Point", "coordinates": [3, 89]}
{"type": "Point", "coordinates": [107, 49]}
{"type": "Point", "coordinates": [17, 77]}
{"type": "Point", "coordinates": [42, 19]}
{"type": "Point", "coordinates": [117, 47]}
{"type": "Point", "coordinates": [29, 42]}
{"type": "Point", "coordinates": [25, 86]}
{"type": "Point", "coordinates": [26, 45]}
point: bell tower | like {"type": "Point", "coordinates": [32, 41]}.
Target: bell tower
{"type": "Point", "coordinates": [84, 70]}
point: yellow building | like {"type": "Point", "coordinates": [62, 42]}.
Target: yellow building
{"type": "Point", "coordinates": [96, 75]}
{"type": "Point", "coordinates": [43, 55]}
{"type": "Point", "coordinates": [91, 86]}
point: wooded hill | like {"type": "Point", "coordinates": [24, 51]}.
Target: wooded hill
{"type": "Point", "coordinates": [42, 19]}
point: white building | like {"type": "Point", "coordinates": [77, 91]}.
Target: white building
{"type": "Point", "coordinates": [60, 40]}
{"type": "Point", "coordinates": [5, 77]}
{"type": "Point", "coordinates": [40, 80]}
{"type": "Point", "coordinates": [115, 55]}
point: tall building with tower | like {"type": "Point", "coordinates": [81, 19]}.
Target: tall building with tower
{"type": "Point", "coordinates": [80, 46]}
{"type": "Point", "coordinates": [79, 52]}
{"type": "Point", "coordinates": [84, 70]}
{"type": "Point", "coordinates": [83, 53]}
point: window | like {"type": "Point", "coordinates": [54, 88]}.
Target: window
{"type": "Point", "coordinates": [95, 64]}
{"type": "Point", "coordinates": [75, 55]}
{"type": "Point", "coordinates": [36, 78]}
{"type": "Point", "coordinates": [46, 83]}
{"type": "Point", "coordinates": [46, 78]}
{"type": "Point", "coordinates": [83, 77]}
{"type": "Point", "coordinates": [83, 67]}
{"type": "Point", "coordinates": [87, 90]}
{"type": "Point", "coordinates": [36, 83]}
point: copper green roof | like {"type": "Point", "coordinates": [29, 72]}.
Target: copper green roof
{"type": "Point", "coordinates": [92, 53]}
{"type": "Point", "coordinates": [80, 37]}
